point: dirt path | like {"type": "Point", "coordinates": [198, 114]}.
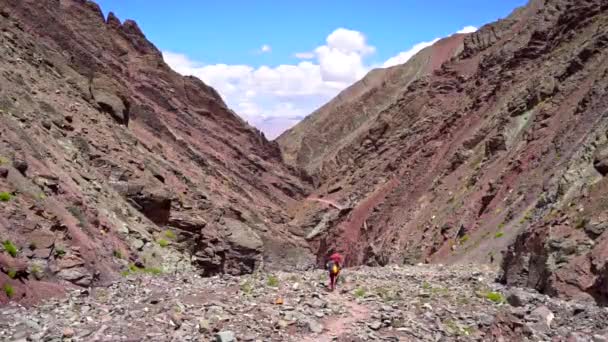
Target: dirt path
{"type": "Point", "coordinates": [336, 326]}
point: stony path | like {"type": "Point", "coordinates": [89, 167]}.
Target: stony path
{"type": "Point", "coordinates": [426, 303]}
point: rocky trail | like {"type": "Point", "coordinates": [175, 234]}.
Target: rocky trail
{"type": "Point", "coordinates": [414, 303]}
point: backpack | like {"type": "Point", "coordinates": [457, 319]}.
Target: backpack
{"type": "Point", "coordinates": [333, 267]}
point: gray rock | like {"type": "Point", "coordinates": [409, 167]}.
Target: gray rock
{"type": "Point", "coordinates": [376, 325]}
{"type": "Point", "coordinates": [225, 336]}
{"type": "Point", "coordinates": [543, 315]}
{"type": "Point", "coordinates": [517, 297]}
{"type": "Point", "coordinates": [600, 338]}
{"type": "Point", "coordinates": [204, 326]}
{"type": "Point", "coordinates": [79, 276]}
{"type": "Point", "coordinates": [314, 326]}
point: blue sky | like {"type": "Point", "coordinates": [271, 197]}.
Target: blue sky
{"type": "Point", "coordinates": [276, 61]}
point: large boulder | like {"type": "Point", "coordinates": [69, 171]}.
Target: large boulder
{"type": "Point", "coordinates": [110, 98]}
{"type": "Point", "coordinates": [153, 202]}
{"type": "Point", "coordinates": [231, 246]}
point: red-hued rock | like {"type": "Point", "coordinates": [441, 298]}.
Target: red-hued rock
{"type": "Point", "coordinates": [114, 149]}
{"type": "Point", "coordinates": [519, 104]}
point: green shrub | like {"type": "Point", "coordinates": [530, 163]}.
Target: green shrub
{"type": "Point", "coordinates": [163, 243]}
{"type": "Point", "coordinates": [133, 269]}
{"type": "Point", "coordinates": [12, 274]}
{"type": "Point", "coordinates": [272, 281]}
{"type": "Point", "coordinates": [499, 235]}
{"type": "Point", "coordinates": [247, 287]}
{"type": "Point", "coordinates": [426, 286]}
{"type": "Point", "coordinates": [36, 271]}
{"type": "Point", "coordinates": [387, 295]}
{"type": "Point", "coordinates": [153, 270]}
{"type": "Point", "coordinates": [117, 254]}
{"type": "Point", "coordinates": [495, 297]}
{"type": "Point", "coordinates": [464, 239]}
{"type": "Point", "coordinates": [5, 196]}
{"type": "Point", "coordinates": [359, 292]}
{"type": "Point", "coordinates": [8, 290]}
{"type": "Point", "coordinates": [10, 248]}
{"type": "Point", "coordinates": [59, 252]}
{"type": "Point", "coordinates": [170, 235]}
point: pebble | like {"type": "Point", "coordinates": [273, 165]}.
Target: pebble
{"type": "Point", "coordinates": [391, 309]}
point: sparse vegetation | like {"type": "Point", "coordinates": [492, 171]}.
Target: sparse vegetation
{"type": "Point", "coordinates": [464, 239]}
{"type": "Point", "coordinates": [495, 297]}
{"type": "Point", "coordinates": [133, 269]}
{"type": "Point", "coordinates": [527, 217]}
{"type": "Point", "coordinates": [36, 270]}
{"type": "Point", "coordinates": [3, 161]}
{"type": "Point", "coordinates": [247, 287]}
{"type": "Point", "coordinates": [5, 196]}
{"type": "Point", "coordinates": [499, 235]}
{"type": "Point", "coordinates": [12, 273]}
{"type": "Point", "coordinates": [78, 214]}
{"type": "Point", "coordinates": [359, 292]}
{"type": "Point", "coordinates": [387, 295]}
{"type": "Point", "coordinates": [163, 243]}
{"type": "Point", "coordinates": [169, 234]}
{"type": "Point", "coordinates": [117, 254]}
{"type": "Point", "coordinates": [426, 286]}
{"type": "Point", "coordinates": [59, 252]}
{"type": "Point", "coordinates": [457, 330]}
{"type": "Point", "coordinates": [272, 281]}
{"type": "Point", "coordinates": [10, 248]}
{"type": "Point", "coordinates": [8, 290]}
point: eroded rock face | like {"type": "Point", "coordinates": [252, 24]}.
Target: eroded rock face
{"type": "Point", "coordinates": [600, 162]}
{"type": "Point", "coordinates": [522, 106]}
{"type": "Point", "coordinates": [111, 100]}
{"type": "Point", "coordinates": [112, 158]}
{"type": "Point", "coordinates": [240, 253]}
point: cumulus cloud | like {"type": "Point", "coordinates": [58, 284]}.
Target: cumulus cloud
{"type": "Point", "coordinates": [276, 98]}
{"type": "Point", "coordinates": [467, 29]}
{"type": "Point", "coordinates": [404, 56]}
{"type": "Point", "coordinates": [265, 48]}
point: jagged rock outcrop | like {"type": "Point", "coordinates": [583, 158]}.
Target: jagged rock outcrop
{"type": "Point", "coordinates": [112, 161]}
{"type": "Point", "coordinates": [506, 139]}
{"type": "Point", "coordinates": [321, 134]}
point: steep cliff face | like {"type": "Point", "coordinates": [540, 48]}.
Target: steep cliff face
{"type": "Point", "coordinates": [111, 159]}
{"type": "Point", "coordinates": [354, 110]}
{"type": "Point", "coordinates": [501, 146]}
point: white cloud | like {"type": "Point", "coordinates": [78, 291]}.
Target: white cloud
{"type": "Point", "coordinates": [265, 48]}
{"type": "Point", "coordinates": [467, 29]}
{"type": "Point", "coordinates": [404, 56]}
{"type": "Point", "coordinates": [304, 55]}
{"type": "Point", "coordinates": [276, 98]}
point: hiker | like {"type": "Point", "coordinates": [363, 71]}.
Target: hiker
{"type": "Point", "coordinates": [334, 265]}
